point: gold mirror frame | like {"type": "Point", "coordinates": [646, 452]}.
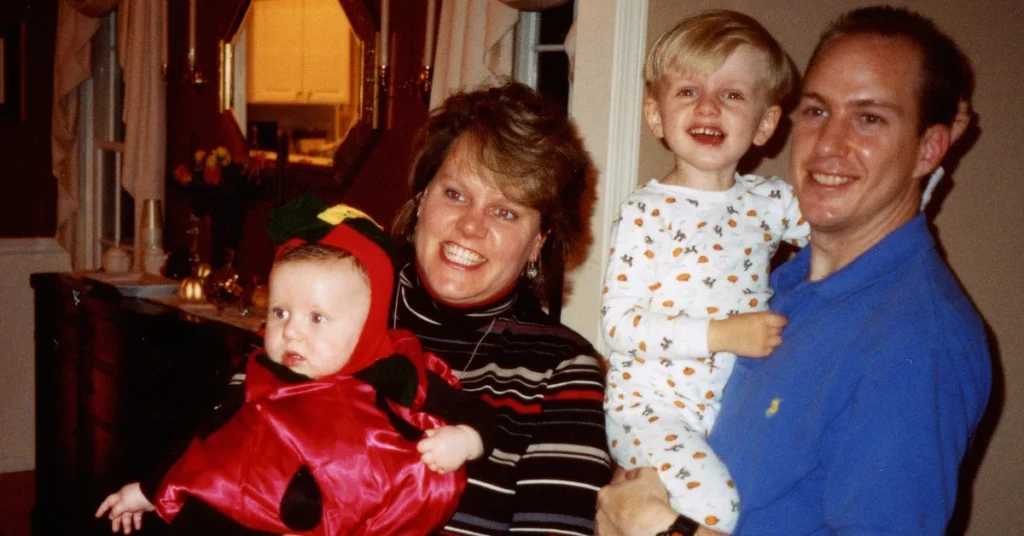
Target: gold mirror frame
{"type": "Point", "coordinates": [354, 148]}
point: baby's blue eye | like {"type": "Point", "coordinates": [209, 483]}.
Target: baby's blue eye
{"type": "Point", "coordinates": [279, 313]}
{"type": "Point", "coordinates": [318, 318]}
{"type": "Point", "coordinates": [687, 92]}
{"type": "Point", "coordinates": [733, 95]}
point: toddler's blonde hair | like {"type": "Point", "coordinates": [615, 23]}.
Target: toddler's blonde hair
{"type": "Point", "coordinates": [703, 42]}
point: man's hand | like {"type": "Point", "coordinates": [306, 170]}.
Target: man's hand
{"type": "Point", "coordinates": [447, 448]}
{"type": "Point", "coordinates": [747, 334]}
{"type": "Point", "coordinates": [634, 504]}
{"type": "Point", "coordinates": [126, 507]}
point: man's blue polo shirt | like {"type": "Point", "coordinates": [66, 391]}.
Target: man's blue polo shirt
{"type": "Point", "coordinates": [857, 424]}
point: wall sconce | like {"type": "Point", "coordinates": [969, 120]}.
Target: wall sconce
{"type": "Point", "coordinates": [422, 83]}
{"type": "Point", "coordinates": [383, 88]}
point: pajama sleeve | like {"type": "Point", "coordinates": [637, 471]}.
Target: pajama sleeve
{"type": "Point", "coordinates": [630, 326]}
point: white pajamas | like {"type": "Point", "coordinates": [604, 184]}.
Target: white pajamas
{"type": "Point", "coordinates": [682, 257]}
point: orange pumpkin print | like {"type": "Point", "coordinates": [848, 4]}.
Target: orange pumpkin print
{"type": "Point", "coordinates": [699, 455]}
{"type": "Point", "coordinates": [689, 371]}
{"type": "Point", "coordinates": [755, 277]}
{"type": "Point", "coordinates": [654, 287]}
{"type": "Point", "coordinates": [649, 254]}
{"type": "Point", "coordinates": [655, 212]}
{"type": "Point", "coordinates": [627, 376]}
{"type": "Point", "coordinates": [751, 213]}
{"type": "Point", "coordinates": [671, 437]}
{"type": "Point", "coordinates": [702, 259]}
{"type": "Point", "coordinates": [753, 302]}
{"type": "Point", "coordinates": [665, 467]}
{"type": "Point", "coordinates": [731, 278]}
{"type": "Point", "coordinates": [717, 247]}
{"type": "Point", "coordinates": [639, 222]}
{"type": "Point", "coordinates": [702, 224]}
{"type": "Point", "coordinates": [615, 443]}
{"type": "Point", "coordinates": [636, 442]}
{"type": "Point", "coordinates": [767, 237]}
{"type": "Point", "coordinates": [611, 332]}
{"type": "Point", "coordinates": [670, 200]}
{"type": "Point", "coordinates": [712, 310]}
{"type": "Point", "coordinates": [653, 418]}
{"type": "Point", "coordinates": [679, 404]}
{"type": "Point", "coordinates": [676, 252]}
{"type": "Point", "coordinates": [732, 223]}
{"type": "Point", "coordinates": [643, 348]}
{"type": "Point", "coordinates": [636, 320]}
{"type": "Point", "coordinates": [604, 290]}
{"type": "Point", "coordinates": [730, 484]}
{"type": "Point", "coordinates": [668, 303]}
{"type": "Point", "coordinates": [747, 251]}
{"type": "Point", "coordinates": [692, 485]}
{"type": "Point", "coordinates": [701, 407]}
{"type": "Point", "coordinates": [622, 277]}
{"type": "Point", "coordinates": [710, 521]}
{"type": "Point", "coordinates": [683, 277]}
{"type": "Point", "coordinates": [709, 395]}
{"type": "Point", "coordinates": [670, 383]}
{"type": "Point", "coordinates": [640, 359]}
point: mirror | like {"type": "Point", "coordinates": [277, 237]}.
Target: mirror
{"type": "Point", "coordinates": [302, 68]}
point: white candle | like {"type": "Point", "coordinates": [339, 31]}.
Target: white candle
{"type": "Point", "coordinates": [428, 45]}
{"type": "Point", "coordinates": [164, 37]}
{"type": "Point", "coordinates": [385, 35]}
{"type": "Point", "coordinates": [191, 33]}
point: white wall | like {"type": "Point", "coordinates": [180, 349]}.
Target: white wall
{"type": "Point", "coordinates": [19, 258]}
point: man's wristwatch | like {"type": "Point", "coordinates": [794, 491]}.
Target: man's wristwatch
{"type": "Point", "coordinates": [682, 526]}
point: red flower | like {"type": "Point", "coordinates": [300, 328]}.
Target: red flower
{"type": "Point", "coordinates": [212, 175]}
{"type": "Point", "coordinates": [183, 175]}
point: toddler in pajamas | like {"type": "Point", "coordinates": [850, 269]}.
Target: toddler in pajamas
{"type": "Point", "coordinates": [687, 282]}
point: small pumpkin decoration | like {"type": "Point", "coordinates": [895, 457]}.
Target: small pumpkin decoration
{"type": "Point", "coordinates": [191, 290]}
{"type": "Point", "coordinates": [260, 298]}
{"type": "Point", "coordinates": [203, 271]}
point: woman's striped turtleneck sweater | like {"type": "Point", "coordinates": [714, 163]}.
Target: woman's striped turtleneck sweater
{"type": "Point", "coordinates": [546, 386]}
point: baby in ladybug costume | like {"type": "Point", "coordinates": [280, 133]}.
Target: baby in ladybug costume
{"type": "Point", "coordinates": [344, 424]}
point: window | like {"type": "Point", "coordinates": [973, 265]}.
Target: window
{"type": "Point", "coordinates": [104, 203]}
{"type": "Point", "coordinates": [541, 61]}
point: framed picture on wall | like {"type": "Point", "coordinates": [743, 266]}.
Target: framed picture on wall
{"type": "Point", "coordinates": [10, 71]}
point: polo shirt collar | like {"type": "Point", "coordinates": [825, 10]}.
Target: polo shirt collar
{"type": "Point", "coordinates": [884, 258]}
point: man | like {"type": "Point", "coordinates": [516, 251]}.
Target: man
{"type": "Point", "coordinates": [857, 424]}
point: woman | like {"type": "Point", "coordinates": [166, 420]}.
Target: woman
{"type": "Point", "coordinates": [498, 186]}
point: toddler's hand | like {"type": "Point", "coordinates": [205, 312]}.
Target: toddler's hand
{"type": "Point", "coordinates": [126, 507]}
{"type": "Point", "coordinates": [747, 334]}
{"type": "Point", "coordinates": [446, 448]}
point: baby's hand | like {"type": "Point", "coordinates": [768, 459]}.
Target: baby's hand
{"type": "Point", "coordinates": [747, 334]}
{"type": "Point", "coordinates": [446, 448]}
{"type": "Point", "coordinates": [126, 508]}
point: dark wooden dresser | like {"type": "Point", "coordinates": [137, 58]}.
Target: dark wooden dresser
{"type": "Point", "coordinates": [119, 381]}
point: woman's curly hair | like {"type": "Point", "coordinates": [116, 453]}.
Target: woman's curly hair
{"type": "Point", "coordinates": [535, 153]}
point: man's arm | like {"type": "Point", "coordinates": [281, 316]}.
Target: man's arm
{"type": "Point", "coordinates": [636, 504]}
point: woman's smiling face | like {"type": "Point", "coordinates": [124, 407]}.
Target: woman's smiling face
{"type": "Point", "coordinates": [472, 243]}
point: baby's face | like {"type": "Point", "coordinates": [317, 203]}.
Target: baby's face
{"type": "Point", "coordinates": [315, 314]}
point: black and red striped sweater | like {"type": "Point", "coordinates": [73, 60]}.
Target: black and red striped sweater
{"type": "Point", "coordinates": [550, 454]}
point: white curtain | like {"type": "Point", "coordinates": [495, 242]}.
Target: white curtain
{"type": "Point", "coordinates": [72, 65]}
{"type": "Point", "coordinates": [476, 45]}
{"type": "Point", "coordinates": [140, 37]}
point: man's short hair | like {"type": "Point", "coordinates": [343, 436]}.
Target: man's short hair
{"type": "Point", "coordinates": [704, 41]}
{"type": "Point", "coordinates": [946, 75]}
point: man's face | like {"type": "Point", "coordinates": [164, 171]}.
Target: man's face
{"type": "Point", "coordinates": [857, 155]}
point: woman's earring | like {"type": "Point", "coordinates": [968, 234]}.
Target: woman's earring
{"type": "Point", "coordinates": [531, 270]}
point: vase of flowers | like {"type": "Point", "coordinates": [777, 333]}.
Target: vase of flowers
{"type": "Point", "coordinates": [219, 187]}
